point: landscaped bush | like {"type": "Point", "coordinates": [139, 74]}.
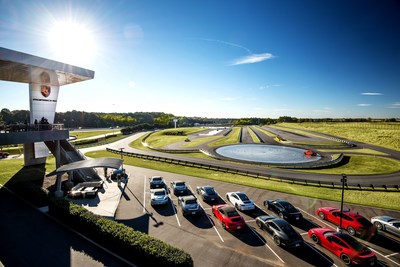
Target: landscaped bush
{"type": "Point", "coordinates": [132, 245]}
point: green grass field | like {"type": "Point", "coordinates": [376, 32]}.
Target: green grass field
{"type": "Point", "coordinates": [383, 134]}
{"type": "Point", "coordinates": [81, 135]}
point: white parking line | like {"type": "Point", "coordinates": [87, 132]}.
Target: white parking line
{"type": "Point", "coordinates": [265, 243]}
{"type": "Point", "coordinates": [391, 255]}
{"type": "Point", "coordinates": [215, 228]}
{"type": "Point", "coordinates": [172, 204]}
{"type": "Point", "coordinates": [322, 255]}
{"type": "Point", "coordinates": [398, 264]}
{"type": "Point", "coordinates": [144, 194]}
{"type": "Point", "coordinates": [316, 217]}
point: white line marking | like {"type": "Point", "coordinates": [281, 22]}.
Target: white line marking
{"type": "Point", "coordinates": [250, 221]}
{"type": "Point", "coordinates": [393, 254]}
{"type": "Point", "coordinates": [265, 243]}
{"type": "Point", "coordinates": [317, 218]}
{"type": "Point", "coordinates": [398, 264]}
{"type": "Point", "coordinates": [322, 255]}
{"type": "Point", "coordinates": [215, 228]}
{"type": "Point", "coordinates": [173, 207]}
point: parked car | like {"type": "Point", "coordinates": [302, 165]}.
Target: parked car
{"type": "Point", "coordinates": [229, 217]}
{"type": "Point", "coordinates": [280, 230]}
{"type": "Point", "coordinates": [207, 193]}
{"type": "Point", "coordinates": [284, 209]}
{"type": "Point", "coordinates": [159, 196]}
{"type": "Point", "coordinates": [4, 154]}
{"type": "Point", "coordinates": [240, 200]}
{"type": "Point", "coordinates": [179, 188]}
{"type": "Point", "coordinates": [346, 247]}
{"type": "Point", "coordinates": [387, 223]}
{"type": "Point", "coordinates": [156, 182]}
{"type": "Point", "coordinates": [354, 223]}
{"type": "Point", "coordinates": [189, 205]}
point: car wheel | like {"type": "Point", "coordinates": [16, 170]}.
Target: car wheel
{"type": "Point", "coordinates": [259, 224]}
{"type": "Point", "coordinates": [351, 230]}
{"type": "Point", "coordinates": [223, 225]}
{"type": "Point", "coordinates": [346, 259]}
{"type": "Point", "coordinates": [213, 212]}
{"type": "Point", "coordinates": [321, 215]}
{"type": "Point", "coordinates": [227, 197]}
{"type": "Point", "coordinates": [378, 225]}
{"type": "Point", "coordinates": [236, 206]}
{"type": "Point", "coordinates": [280, 214]}
{"type": "Point", "coordinates": [315, 238]}
{"type": "Point", "coordinates": [277, 240]}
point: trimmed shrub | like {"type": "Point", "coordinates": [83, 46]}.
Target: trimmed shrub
{"type": "Point", "coordinates": [135, 246]}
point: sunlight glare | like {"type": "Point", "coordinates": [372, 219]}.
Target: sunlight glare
{"type": "Point", "coordinates": [72, 43]}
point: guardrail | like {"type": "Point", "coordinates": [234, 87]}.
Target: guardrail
{"type": "Point", "coordinates": [258, 175]}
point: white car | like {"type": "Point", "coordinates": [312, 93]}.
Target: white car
{"type": "Point", "coordinates": [387, 223]}
{"type": "Point", "coordinates": [159, 196]}
{"type": "Point", "coordinates": [240, 200]}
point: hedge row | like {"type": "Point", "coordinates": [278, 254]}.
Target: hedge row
{"type": "Point", "coordinates": [135, 246]}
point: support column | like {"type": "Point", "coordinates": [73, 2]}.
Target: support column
{"type": "Point", "coordinates": [59, 192]}
{"type": "Point", "coordinates": [70, 183]}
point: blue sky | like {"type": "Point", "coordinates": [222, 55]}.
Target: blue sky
{"type": "Point", "coordinates": [224, 59]}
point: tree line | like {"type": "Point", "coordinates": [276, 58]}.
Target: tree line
{"type": "Point", "coordinates": [150, 120]}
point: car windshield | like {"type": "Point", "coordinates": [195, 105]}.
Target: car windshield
{"type": "Point", "coordinates": [159, 193]}
{"type": "Point", "coordinates": [232, 213]}
{"type": "Point", "coordinates": [243, 196]}
{"type": "Point", "coordinates": [209, 190]}
{"type": "Point", "coordinates": [157, 179]}
{"type": "Point", "coordinates": [352, 242]}
{"type": "Point", "coordinates": [289, 207]}
{"type": "Point", "coordinates": [191, 201]}
{"type": "Point", "coordinates": [180, 184]}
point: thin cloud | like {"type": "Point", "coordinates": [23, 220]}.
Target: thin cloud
{"type": "Point", "coordinates": [395, 105]}
{"type": "Point", "coordinates": [363, 105]}
{"type": "Point", "coordinates": [254, 58]}
{"type": "Point", "coordinates": [373, 94]}
{"type": "Point", "coordinates": [250, 59]}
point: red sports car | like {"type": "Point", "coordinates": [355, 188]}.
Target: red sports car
{"type": "Point", "coordinates": [229, 217]}
{"type": "Point", "coordinates": [346, 247]}
{"type": "Point", "coordinates": [353, 222]}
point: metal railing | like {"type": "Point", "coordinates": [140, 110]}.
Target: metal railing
{"type": "Point", "coordinates": [255, 174]}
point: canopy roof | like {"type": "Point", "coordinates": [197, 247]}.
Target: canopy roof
{"type": "Point", "coordinates": [14, 67]}
{"type": "Point", "coordinates": [112, 163]}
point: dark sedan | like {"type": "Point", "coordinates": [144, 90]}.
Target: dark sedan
{"type": "Point", "coordinates": [207, 193]}
{"type": "Point", "coordinates": [280, 230]}
{"type": "Point", "coordinates": [284, 209]}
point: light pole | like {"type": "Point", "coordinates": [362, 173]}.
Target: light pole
{"type": "Point", "coordinates": [121, 149]}
{"type": "Point", "coordinates": [343, 180]}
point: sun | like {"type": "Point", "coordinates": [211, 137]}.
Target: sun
{"type": "Point", "coordinates": [72, 42]}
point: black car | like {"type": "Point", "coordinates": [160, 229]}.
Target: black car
{"type": "Point", "coordinates": [280, 230]}
{"type": "Point", "coordinates": [207, 193]}
{"type": "Point", "coordinates": [284, 209]}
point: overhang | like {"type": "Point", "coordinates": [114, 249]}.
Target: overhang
{"type": "Point", "coordinates": [15, 66]}
{"type": "Point", "coordinates": [112, 163]}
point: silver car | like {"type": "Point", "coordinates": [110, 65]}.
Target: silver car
{"type": "Point", "coordinates": [159, 196]}
{"type": "Point", "coordinates": [387, 223]}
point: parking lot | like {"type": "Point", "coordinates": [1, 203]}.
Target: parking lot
{"type": "Point", "coordinates": [210, 245]}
